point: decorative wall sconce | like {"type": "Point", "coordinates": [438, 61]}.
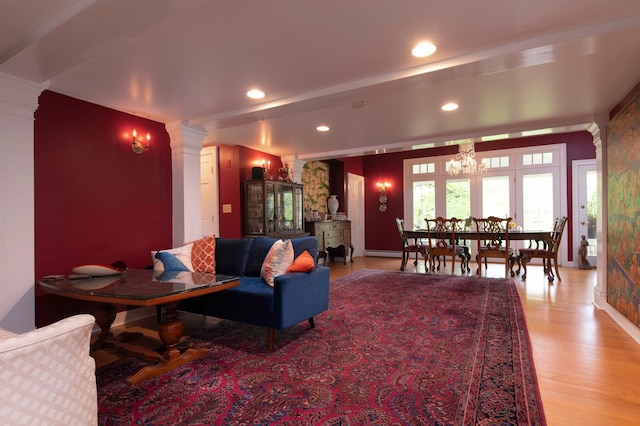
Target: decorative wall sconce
{"type": "Point", "coordinates": [136, 146]}
{"type": "Point", "coordinates": [267, 169]}
{"type": "Point", "coordinates": [383, 187]}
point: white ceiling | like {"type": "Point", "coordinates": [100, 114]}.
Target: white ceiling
{"type": "Point", "coordinates": [512, 65]}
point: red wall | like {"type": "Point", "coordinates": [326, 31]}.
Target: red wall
{"type": "Point", "coordinates": [95, 200]}
{"type": "Point", "coordinates": [235, 166]}
{"type": "Point", "coordinates": [389, 168]}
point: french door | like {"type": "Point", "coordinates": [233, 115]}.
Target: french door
{"type": "Point", "coordinates": [525, 184]}
{"type": "Point", "coordinates": [585, 178]}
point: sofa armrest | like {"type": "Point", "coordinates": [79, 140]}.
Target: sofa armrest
{"type": "Point", "coordinates": [48, 375]}
{"type": "Point", "coordinates": [300, 295]}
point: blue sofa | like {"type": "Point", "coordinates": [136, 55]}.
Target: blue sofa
{"type": "Point", "coordinates": [294, 298]}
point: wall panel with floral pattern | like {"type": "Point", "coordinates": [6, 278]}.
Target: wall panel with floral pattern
{"type": "Point", "coordinates": [315, 178]}
{"type": "Point", "coordinates": [623, 231]}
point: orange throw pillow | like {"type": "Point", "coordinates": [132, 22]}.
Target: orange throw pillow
{"type": "Point", "coordinates": [203, 254]}
{"type": "Point", "coordinates": [302, 263]}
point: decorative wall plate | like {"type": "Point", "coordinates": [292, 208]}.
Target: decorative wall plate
{"type": "Point", "coordinates": [382, 198]}
{"type": "Point", "coordinates": [382, 207]}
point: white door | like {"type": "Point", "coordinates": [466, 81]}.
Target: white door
{"type": "Point", "coordinates": [355, 191]}
{"type": "Point", "coordinates": [585, 181]}
{"type": "Point", "coordinates": [209, 203]}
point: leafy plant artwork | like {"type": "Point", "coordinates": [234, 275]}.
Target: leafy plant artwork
{"type": "Point", "coordinates": [315, 178]}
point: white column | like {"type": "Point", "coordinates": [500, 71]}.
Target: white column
{"type": "Point", "coordinates": [18, 102]}
{"type": "Point", "coordinates": [295, 165]}
{"type": "Point", "coordinates": [599, 132]}
{"type": "Point", "coordinates": [186, 144]}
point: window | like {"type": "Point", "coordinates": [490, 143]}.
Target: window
{"type": "Point", "coordinates": [423, 168]}
{"type": "Point", "coordinates": [523, 183]}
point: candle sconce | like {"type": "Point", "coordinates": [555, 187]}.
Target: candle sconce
{"type": "Point", "coordinates": [136, 146]}
{"type": "Point", "coordinates": [383, 187]}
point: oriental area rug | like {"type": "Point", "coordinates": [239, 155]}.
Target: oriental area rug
{"type": "Point", "coordinates": [394, 348]}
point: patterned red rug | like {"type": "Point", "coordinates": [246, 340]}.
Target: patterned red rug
{"type": "Point", "coordinates": [393, 348]}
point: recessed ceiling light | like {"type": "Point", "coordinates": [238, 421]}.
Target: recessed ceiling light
{"type": "Point", "coordinates": [450, 106]}
{"type": "Point", "coordinates": [322, 128]}
{"type": "Point", "coordinates": [255, 94]}
{"type": "Point", "coordinates": [423, 49]}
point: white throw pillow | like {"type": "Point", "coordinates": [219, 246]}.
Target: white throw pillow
{"type": "Point", "coordinates": [278, 260]}
{"type": "Point", "coordinates": [177, 259]}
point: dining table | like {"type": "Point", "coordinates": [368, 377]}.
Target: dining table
{"type": "Point", "coordinates": [539, 239]}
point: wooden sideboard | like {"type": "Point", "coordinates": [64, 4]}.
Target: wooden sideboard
{"type": "Point", "coordinates": [334, 238]}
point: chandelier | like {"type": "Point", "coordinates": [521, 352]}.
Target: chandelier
{"type": "Point", "coordinates": [465, 162]}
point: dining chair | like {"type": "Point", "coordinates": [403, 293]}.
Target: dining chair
{"type": "Point", "coordinates": [441, 241]}
{"type": "Point", "coordinates": [493, 241]}
{"type": "Point", "coordinates": [409, 246]}
{"type": "Point", "coordinates": [545, 250]}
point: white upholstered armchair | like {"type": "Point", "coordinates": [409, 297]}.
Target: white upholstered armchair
{"type": "Point", "coordinates": [47, 376]}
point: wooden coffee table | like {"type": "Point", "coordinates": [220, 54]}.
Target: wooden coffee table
{"type": "Point", "coordinates": [142, 287]}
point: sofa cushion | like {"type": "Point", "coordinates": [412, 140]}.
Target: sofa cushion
{"type": "Point", "coordinates": [251, 294]}
{"type": "Point", "coordinates": [177, 259]}
{"type": "Point", "coordinates": [231, 255]}
{"type": "Point", "coordinates": [203, 254]}
{"type": "Point", "coordinates": [259, 249]}
{"type": "Point", "coordinates": [278, 260]}
{"type": "Point", "coordinates": [302, 263]}
{"type": "Point", "coordinates": [309, 244]}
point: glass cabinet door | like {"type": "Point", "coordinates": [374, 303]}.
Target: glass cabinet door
{"type": "Point", "coordinates": [298, 220]}
{"type": "Point", "coordinates": [254, 222]}
{"type": "Point", "coordinates": [270, 207]}
{"type": "Point", "coordinates": [273, 208]}
{"type": "Point", "coordinates": [285, 208]}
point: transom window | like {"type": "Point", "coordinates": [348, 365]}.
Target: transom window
{"type": "Point", "coordinates": [496, 162]}
{"type": "Point", "coordinates": [537, 158]}
{"type": "Point", "coordinates": [423, 168]}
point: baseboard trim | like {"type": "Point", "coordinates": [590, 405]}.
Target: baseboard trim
{"type": "Point", "coordinates": [383, 253]}
{"type": "Point", "coordinates": [623, 322]}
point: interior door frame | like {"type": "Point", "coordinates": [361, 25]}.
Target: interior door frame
{"type": "Point", "coordinates": [577, 166]}
{"type": "Point", "coordinates": [209, 192]}
{"type": "Point", "coordinates": [355, 191]}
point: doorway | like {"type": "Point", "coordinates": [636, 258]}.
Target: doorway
{"type": "Point", "coordinates": [585, 184]}
{"type": "Point", "coordinates": [355, 191]}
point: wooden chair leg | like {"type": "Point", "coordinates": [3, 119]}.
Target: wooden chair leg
{"type": "Point", "coordinates": [524, 262]}
{"type": "Point", "coordinates": [555, 266]}
{"type": "Point", "coordinates": [270, 336]}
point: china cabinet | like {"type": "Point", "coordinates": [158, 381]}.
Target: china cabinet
{"type": "Point", "coordinates": [273, 208]}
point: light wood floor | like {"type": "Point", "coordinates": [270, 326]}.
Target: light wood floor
{"type": "Point", "coordinates": [588, 368]}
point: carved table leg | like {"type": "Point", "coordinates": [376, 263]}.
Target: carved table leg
{"type": "Point", "coordinates": [105, 314]}
{"type": "Point", "coordinates": [170, 332]}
